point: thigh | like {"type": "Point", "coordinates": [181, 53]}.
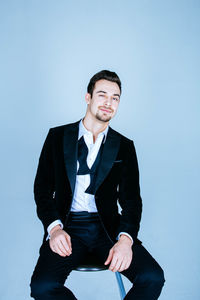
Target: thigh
{"type": "Point", "coordinates": [103, 246]}
{"type": "Point", "coordinates": [53, 267]}
{"type": "Point", "coordinates": [142, 265]}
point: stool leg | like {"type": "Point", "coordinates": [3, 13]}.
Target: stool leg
{"type": "Point", "coordinates": [120, 285]}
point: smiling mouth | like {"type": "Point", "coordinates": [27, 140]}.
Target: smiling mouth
{"type": "Point", "coordinates": [105, 109]}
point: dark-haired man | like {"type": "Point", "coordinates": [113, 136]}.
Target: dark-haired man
{"type": "Point", "coordinates": [85, 169]}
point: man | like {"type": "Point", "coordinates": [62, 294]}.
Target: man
{"type": "Point", "coordinates": [85, 169]}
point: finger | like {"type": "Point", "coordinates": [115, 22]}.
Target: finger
{"type": "Point", "coordinates": [113, 262]}
{"type": "Point", "coordinates": [117, 265]}
{"type": "Point", "coordinates": [58, 251]}
{"type": "Point", "coordinates": [62, 248]}
{"type": "Point", "coordinates": [127, 265]}
{"type": "Point", "coordinates": [123, 266]}
{"type": "Point", "coordinates": [67, 250]}
{"type": "Point", "coordinates": [68, 239]}
{"type": "Point", "coordinates": [109, 258]}
{"type": "Point", "coordinates": [129, 261]}
{"type": "Point", "coordinates": [65, 244]}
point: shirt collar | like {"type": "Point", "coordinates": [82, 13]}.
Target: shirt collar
{"type": "Point", "coordinates": [84, 131]}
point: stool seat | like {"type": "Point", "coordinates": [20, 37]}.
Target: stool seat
{"type": "Point", "coordinates": [91, 263]}
{"type": "Point", "coordinates": [90, 268]}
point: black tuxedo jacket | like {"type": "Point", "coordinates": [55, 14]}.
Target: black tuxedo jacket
{"type": "Point", "coordinates": [117, 180]}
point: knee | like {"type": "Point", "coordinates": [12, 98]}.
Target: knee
{"type": "Point", "coordinates": [41, 288]}
{"type": "Point", "coordinates": [153, 277]}
{"type": "Point", "coordinates": [157, 277]}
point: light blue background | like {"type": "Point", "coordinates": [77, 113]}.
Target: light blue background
{"type": "Point", "coordinates": [49, 51]}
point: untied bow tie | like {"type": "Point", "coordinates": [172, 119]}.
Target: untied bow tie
{"type": "Point", "coordinates": [83, 167]}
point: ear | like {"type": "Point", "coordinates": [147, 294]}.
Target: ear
{"type": "Point", "coordinates": [87, 98]}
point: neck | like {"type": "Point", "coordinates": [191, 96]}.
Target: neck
{"type": "Point", "coordinates": [94, 126]}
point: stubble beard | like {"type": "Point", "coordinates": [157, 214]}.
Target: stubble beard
{"type": "Point", "coordinates": [103, 117]}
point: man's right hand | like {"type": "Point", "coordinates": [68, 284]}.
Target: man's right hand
{"type": "Point", "coordinates": [60, 241]}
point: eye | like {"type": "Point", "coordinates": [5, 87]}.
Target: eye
{"type": "Point", "coordinates": [116, 99]}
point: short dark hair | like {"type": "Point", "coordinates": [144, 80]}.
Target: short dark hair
{"type": "Point", "coordinates": [104, 74]}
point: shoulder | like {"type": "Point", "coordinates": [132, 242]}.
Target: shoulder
{"type": "Point", "coordinates": [61, 128]}
{"type": "Point", "coordinates": [123, 138]}
{"type": "Point", "coordinates": [127, 146]}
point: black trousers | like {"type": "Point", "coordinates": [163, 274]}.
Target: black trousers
{"type": "Point", "coordinates": [87, 235]}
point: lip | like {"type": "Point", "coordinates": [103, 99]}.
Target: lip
{"type": "Point", "coordinates": [106, 110]}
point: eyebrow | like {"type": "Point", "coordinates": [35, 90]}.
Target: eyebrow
{"type": "Point", "coordinates": [106, 93]}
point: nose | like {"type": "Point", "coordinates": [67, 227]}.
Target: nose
{"type": "Point", "coordinates": [108, 101]}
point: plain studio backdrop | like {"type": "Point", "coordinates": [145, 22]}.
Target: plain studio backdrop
{"type": "Point", "coordinates": [49, 51]}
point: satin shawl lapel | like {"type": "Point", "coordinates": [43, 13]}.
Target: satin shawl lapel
{"type": "Point", "coordinates": [109, 154]}
{"type": "Point", "coordinates": [70, 148]}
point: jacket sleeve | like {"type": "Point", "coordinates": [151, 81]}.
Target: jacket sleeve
{"type": "Point", "coordinates": [44, 185]}
{"type": "Point", "coordinates": [129, 194]}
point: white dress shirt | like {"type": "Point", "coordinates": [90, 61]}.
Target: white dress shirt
{"type": "Point", "coordinates": [83, 201]}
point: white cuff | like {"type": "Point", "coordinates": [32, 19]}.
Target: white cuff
{"type": "Point", "coordinates": [52, 225]}
{"type": "Point", "coordinates": [125, 233]}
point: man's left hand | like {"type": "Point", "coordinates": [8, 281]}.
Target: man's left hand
{"type": "Point", "coordinates": [120, 255]}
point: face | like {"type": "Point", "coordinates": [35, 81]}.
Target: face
{"type": "Point", "coordinates": [104, 102]}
